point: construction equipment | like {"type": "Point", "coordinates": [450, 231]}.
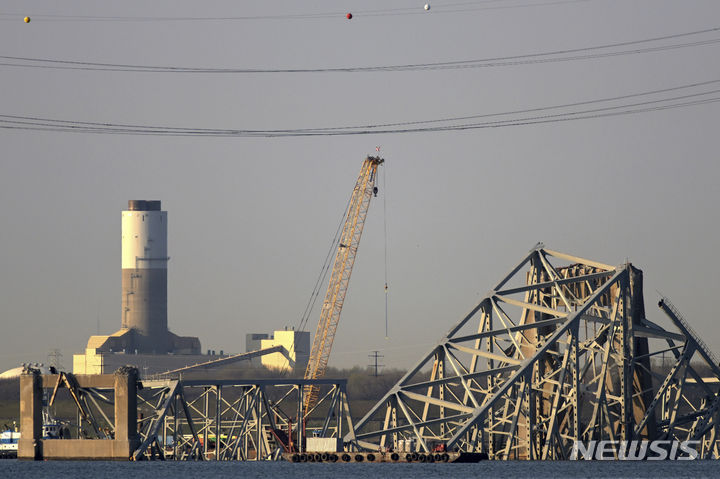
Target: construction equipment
{"type": "Point", "coordinates": [340, 277]}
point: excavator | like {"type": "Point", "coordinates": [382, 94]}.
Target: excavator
{"type": "Point", "coordinates": [347, 247]}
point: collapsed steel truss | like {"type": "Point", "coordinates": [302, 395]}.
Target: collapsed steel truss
{"type": "Point", "coordinates": [559, 353]}
{"type": "Point", "coordinates": [235, 419]}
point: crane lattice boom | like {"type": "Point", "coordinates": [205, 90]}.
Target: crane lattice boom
{"type": "Point", "coordinates": [340, 277]}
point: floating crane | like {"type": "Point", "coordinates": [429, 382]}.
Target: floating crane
{"type": "Point", "coordinates": [347, 248]}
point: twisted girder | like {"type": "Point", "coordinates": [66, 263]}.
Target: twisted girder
{"type": "Point", "coordinates": [559, 354]}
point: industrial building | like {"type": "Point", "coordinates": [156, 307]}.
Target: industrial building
{"type": "Point", "coordinates": [144, 340]}
{"type": "Point", "coordinates": [295, 350]}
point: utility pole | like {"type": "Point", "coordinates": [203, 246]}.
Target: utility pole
{"type": "Point", "coordinates": [374, 365]}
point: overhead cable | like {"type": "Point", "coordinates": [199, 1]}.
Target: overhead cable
{"type": "Point", "coordinates": [507, 119]}
{"type": "Point", "coordinates": [442, 8]}
{"type": "Point", "coordinates": [554, 56]}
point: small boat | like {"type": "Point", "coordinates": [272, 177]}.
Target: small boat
{"type": "Point", "coordinates": [9, 443]}
{"type": "Point", "coordinates": [51, 429]}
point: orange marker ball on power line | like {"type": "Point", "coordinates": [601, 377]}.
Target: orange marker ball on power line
{"type": "Point", "coordinates": [349, 16]}
{"type": "Point", "coordinates": [26, 19]}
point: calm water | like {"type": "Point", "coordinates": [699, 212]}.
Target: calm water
{"type": "Point", "coordinates": [212, 470]}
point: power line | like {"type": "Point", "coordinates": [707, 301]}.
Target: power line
{"type": "Point", "coordinates": [535, 116]}
{"type": "Point", "coordinates": [444, 8]}
{"type": "Point", "coordinates": [15, 125]}
{"type": "Point", "coordinates": [555, 56]}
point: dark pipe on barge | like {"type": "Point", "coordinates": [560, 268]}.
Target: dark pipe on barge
{"type": "Point", "coordinates": [386, 457]}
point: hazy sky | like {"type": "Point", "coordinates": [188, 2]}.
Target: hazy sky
{"type": "Point", "coordinates": [251, 219]}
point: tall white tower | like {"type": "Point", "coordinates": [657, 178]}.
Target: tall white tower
{"type": "Point", "coordinates": [144, 276]}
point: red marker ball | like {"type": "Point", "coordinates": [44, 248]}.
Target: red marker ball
{"type": "Point", "coordinates": [349, 16]}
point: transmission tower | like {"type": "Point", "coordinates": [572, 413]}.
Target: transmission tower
{"type": "Point", "coordinates": [374, 365]}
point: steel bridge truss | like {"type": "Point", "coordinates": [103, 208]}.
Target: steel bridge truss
{"type": "Point", "coordinates": [92, 408]}
{"type": "Point", "coordinates": [254, 419]}
{"type": "Point", "coordinates": [559, 351]}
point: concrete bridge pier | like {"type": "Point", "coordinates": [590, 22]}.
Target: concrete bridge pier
{"type": "Point", "coordinates": [30, 443]}
{"type": "Point", "coordinates": [126, 439]}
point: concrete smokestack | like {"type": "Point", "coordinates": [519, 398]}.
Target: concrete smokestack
{"type": "Point", "coordinates": [144, 275]}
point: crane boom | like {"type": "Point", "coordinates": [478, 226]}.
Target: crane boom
{"type": "Point", "coordinates": [340, 277]}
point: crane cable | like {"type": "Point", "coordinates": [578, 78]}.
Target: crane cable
{"type": "Point", "coordinates": [385, 234]}
{"type": "Point", "coordinates": [323, 272]}
{"type": "Point", "coordinates": [310, 306]}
